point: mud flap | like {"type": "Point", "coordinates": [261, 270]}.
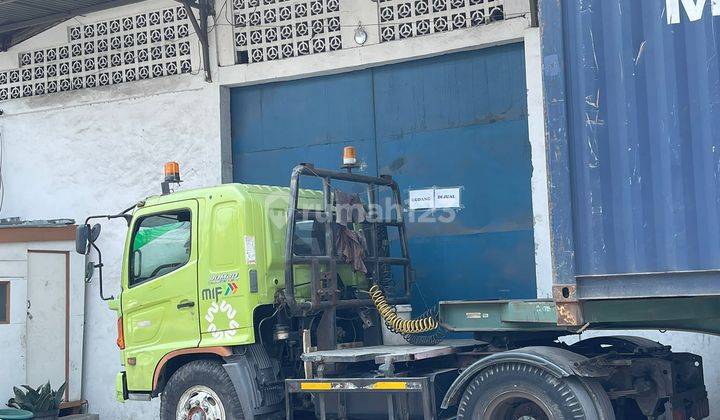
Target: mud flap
{"type": "Point", "coordinates": [255, 378]}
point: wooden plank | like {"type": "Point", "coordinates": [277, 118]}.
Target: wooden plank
{"type": "Point", "coordinates": [37, 234]}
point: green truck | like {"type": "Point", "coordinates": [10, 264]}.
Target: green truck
{"type": "Point", "coordinates": [246, 301]}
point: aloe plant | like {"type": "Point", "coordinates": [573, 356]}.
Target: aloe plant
{"type": "Point", "coordinates": [40, 400]}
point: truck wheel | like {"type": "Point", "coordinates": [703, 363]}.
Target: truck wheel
{"type": "Point", "coordinates": [200, 390]}
{"type": "Point", "coordinates": [513, 391]}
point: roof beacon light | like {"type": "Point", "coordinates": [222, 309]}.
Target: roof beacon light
{"type": "Point", "coordinates": [350, 158]}
{"type": "Point", "coordinates": [172, 176]}
{"type": "Point", "coordinates": [172, 172]}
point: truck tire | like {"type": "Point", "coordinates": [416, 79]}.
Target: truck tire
{"type": "Point", "coordinates": [513, 390]}
{"type": "Point", "coordinates": [200, 387]}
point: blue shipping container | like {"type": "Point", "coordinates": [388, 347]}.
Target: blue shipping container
{"type": "Point", "coordinates": [632, 105]}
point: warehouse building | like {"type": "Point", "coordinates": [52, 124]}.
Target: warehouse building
{"type": "Point", "coordinates": [460, 94]}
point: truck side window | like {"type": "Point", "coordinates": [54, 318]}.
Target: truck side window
{"type": "Point", "coordinates": [309, 238]}
{"type": "Point", "coordinates": [160, 244]}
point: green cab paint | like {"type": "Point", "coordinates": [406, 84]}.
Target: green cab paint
{"type": "Point", "coordinates": [226, 247]}
{"type": "Point", "coordinates": [154, 320]}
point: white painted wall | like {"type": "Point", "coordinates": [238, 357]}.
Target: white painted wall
{"type": "Point", "coordinates": [101, 156]}
{"type": "Point", "coordinates": [14, 267]}
{"type": "Point", "coordinates": [98, 151]}
{"type": "Point", "coordinates": [538, 182]}
{"type": "Point", "coordinates": [353, 57]}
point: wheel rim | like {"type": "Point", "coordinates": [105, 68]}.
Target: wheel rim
{"type": "Point", "coordinates": [515, 405]}
{"type": "Point", "coordinates": [200, 403]}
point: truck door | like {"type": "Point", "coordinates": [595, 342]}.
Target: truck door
{"type": "Point", "coordinates": [159, 300]}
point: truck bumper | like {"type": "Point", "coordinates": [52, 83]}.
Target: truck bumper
{"type": "Point", "coordinates": [121, 391]}
{"type": "Point", "coordinates": [377, 397]}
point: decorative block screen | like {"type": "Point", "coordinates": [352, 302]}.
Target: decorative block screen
{"type": "Point", "coordinates": [400, 19]}
{"type": "Point", "coordinates": [143, 46]}
{"type": "Point", "coordinates": [275, 29]}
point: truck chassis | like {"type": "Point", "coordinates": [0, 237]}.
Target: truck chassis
{"type": "Point", "coordinates": [620, 377]}
{"type": "Point", "coordinates": [641, 378]}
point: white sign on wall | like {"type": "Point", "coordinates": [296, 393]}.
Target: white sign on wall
{"type": "Point", "coordinates": [422, 199]}
{"type": "Point", "coordinates": [447, 198]}
{"type": "Point", "coordinates": [434, 198]}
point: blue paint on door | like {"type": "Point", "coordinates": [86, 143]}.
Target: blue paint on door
{"type": "Point", "coordinates": [278, 125]}
{"type": "Point", "coordinates": [454, 120]}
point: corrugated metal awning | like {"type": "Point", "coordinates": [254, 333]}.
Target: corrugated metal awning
{"type": "Point", "coordinates": [22, 19]}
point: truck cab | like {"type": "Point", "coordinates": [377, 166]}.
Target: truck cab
{"type": "Point", "coordinates": [197, 266]}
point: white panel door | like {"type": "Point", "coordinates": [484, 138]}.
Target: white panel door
{"type": "Point", "coordinates": [46, 318]}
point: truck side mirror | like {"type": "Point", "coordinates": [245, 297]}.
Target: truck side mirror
{"type": "Point", "coordinates": [94, 233]}
{"type": "Point", "coordinates": [82, 235]}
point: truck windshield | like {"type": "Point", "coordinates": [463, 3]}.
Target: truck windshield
{"type": "Point", "coordinates": [160, 244]}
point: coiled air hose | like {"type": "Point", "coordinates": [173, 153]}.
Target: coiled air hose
{"type": "Point", "coordinates": [424, 331]}
{"type": "Point", "coordinates": [394, 322]}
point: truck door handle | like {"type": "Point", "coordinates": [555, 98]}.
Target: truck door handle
{"type": "Point", "coordinates": [185, 304]}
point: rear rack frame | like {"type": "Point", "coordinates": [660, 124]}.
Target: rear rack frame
{"type": "Point", "coordinates": [324, 298]}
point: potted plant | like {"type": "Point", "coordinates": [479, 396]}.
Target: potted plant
{"type": "Point", "coordinates": [43, 402]}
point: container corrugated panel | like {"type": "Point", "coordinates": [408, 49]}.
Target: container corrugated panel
{"type": "Point", "coordinates": [633, 124]}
